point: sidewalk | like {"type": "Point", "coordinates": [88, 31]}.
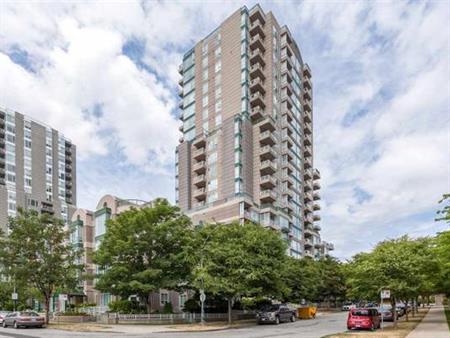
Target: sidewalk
{"type": "Point", "coordinates": [434, 325]}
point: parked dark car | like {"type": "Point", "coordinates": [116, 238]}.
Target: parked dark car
{"type": "Point", "coordinates": [3, 314]}
{"type": "Point", "coordinates": [275, 314]}
{"type": "Point", "coordinates": [387, 313]}
{"type": "Point", "coordinates": [363, 318]}
{"type": "Point", "coordinates": [23, 319]}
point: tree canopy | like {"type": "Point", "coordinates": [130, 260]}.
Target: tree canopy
{"type": "Point", "coordinates": [143, 251]}
{"type": "Point", "coordinates": [36, 253]}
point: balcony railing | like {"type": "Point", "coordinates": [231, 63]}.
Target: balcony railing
{"type": "Point", "coordinates": [267, 137]}
{"type": "Point", "coordinates": [199, 167]}
{"type": "Point", "coordinates": [257, 85]}
{"type": "Point", "coordinates": [267, 153]}
{"type": "Point", "coordinates": [306, 70]}
{"type": "Point", "coordinates": [257, 57]}
{"type": "Point", "coordinates": [267, 182]}
{"type": "Point", "coordinates": [257, 100]}
{"type": "Point", "coordinates": [256, 113]}
{"type": "Point", "coordinates": [268, 196]}
{"type": "Point", "coordinates": [200, 154]}
{"type": "Point", "coordinates": [268, 167]}
{"type": "Point", "coordinates": [267, 123]}
{"type": "Point", "coordinates": [256, 71]}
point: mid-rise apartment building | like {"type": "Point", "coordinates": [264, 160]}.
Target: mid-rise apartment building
{"type": "Point", "coordinates": [37, 168]}
{"type": "Point", "coordinates": [88, 228]}
{"type": "Point", "coordinates": [247, 121]}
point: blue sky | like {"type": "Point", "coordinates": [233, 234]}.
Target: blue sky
{"type": "Point", "coordinates": [105, 74]}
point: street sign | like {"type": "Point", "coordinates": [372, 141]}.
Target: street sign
{"type": "Point", "coordinates": [202, 296]}
{"type": "Point", "coordinates": [15, 296]}
{"type": "Point", "coordinates": [62, 297]}
{"type": "Point", "coordinates": [385, 294]}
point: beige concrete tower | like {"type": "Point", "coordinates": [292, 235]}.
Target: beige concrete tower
{"type": "Point", "coordinates": [247, 147]}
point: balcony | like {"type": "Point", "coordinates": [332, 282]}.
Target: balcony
{"type": "Point", "coordinates": [256, 27]}
{"type": "Point", "coordinates": [257, 14]}
{"type": "Point", "coordinates": [288, 166]}
{"type": "Point", "coordinates": [200, 141]}
{"type": "Point", "coordinates": [308, 243]}
{"type": "Point", "coordinates": [307, 163]}
{"type": "Point", "coordinates": [200, 154]}
{"type": "Point", "coordinates": [267, 123]}
{"type": "Point", "coordinates": [68, 176]}
{"type": "Point", "coordinates": [308, 219]}
{"type": "Point", "coordinates": [309, 253]}
{"type": "Point", "coordinates": [199, 167]}
{"type": "Point", "coordinates": [257, 42]}
{"type": "Point", "coordinates": [268, 167]}
{"type": "Point", "coordinates": [68, 159]}
{"type": "Point", "coordinates": [288, 192]}
{"type": "Point", "coordinates": [200, 181]}
{"type": "Point", "coordinates": [256, 71]}
{"type": "Point", "coordinates": [200, 194]}
{"type": "Point", "coordinates": [316, 218]}
{"type": "Point", "coordinates": [307, 140]}
{"type": "Point", "coordinates": [316, 174]}
{"type": "Point", "coordinates": [267, 153]}
{"type": "Point", "coordinates": [307, 83]}
{"type": "Point", "coordinates": [308, 151]}
{"type": "Point", "coordinates": [308, 197]}
{"type": "Point", "coordinates": [267, 182]}
{"type": "Point", "coordinates": [180, 92]}
{"type": "Point", "coordinates": [316, 185]}
{"type": "Point", "coordinates": [318, 245]}
{"type": "Point", "coordinates": [256, 113]}
{"type": "Point", "coordinates": [257, 57]}
{"type": "Point", "coordinates": [306, 70]}
{"type": "Point", "coordinates": [316, 207]}
{"type": "Point", "coordinates": [286, 86]}
{"type": "Point", "coordinates": [180, 82]}
{"type": "Point", "coordinates": [307, 116]}
{"type": "Point", "coordinates": [307, 188]}
{"type": "Point", "coordinates": [257, 100]}
{"type": "Point", "coordinates": [180, 104]}
{"type": "Point", "coordinates": [288, 179]}
{"type": "Point", "coordinates": [307, 175]}
{"type": "Point", "coordinates": [257, 85]}
{"type": "Point", "coordinates": [47, 208]}
{"type": "Point", "coordinates": [307, 105]}
{"type": "Point", "coordinates": [307, 93]}
{"type": "Point", "coordinates": [308, 128]}
{"type": "Point", "coordinates": [317, 227]}
{"type": "Point", "coordinates": [316, 196]}
{"type": "Point", "coordinates": [287, 100]}
{"type": "Point", "coordinates": [266, 138]}
{"type": "Point", "coordinates": [68, 184]}
{"type": "Point", "coordinates": [329, 246]}
{"type": "Point", "coordinates": [308, 231]}
{"type": "Point", "coordinates": [181, 128]}
{"type": "Point", "coordinates": [267, 196]}
{"type": "Point", "coordinates": [180, 69]}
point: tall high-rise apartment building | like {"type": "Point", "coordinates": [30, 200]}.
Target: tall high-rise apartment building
{"type": "Point", "coordinates": [247, 147]}
{"type": "Point", "coordinates": [37, 168]}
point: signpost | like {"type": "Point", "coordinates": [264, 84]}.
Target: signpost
{"type": "Point", "coordinates": [202, 302]}
{"type": "Point", "coordinates": [384, 294]}
{"type": "Point", "coordinates": [15, 297]}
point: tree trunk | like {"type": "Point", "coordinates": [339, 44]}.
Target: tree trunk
{"type": "Point", "coordinates": [229, 311]}
{"type": "Point", "coordinates": [394, 311]}
{"type": "Point", "coordinates": [148, 303]}
{"type": "Point", "coordinates": [47, 309]}
{"type": "Point", "coordinates": [413, 307]}
{"type": "Point", "coordinates": [406, 311]}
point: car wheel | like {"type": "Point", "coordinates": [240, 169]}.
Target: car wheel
{"type": "Point", "coordinates": [292, 318]}
{"type": "Point", "coordinates": [4, 324]}
{"type": "Point", "coordinates": [372, 327]}
{"type": "Point", "coordinates": [277, 320]}
{"type": "Point", "coordinates": [15, 325]}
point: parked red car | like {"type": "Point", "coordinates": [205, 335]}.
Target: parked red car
{"type": "Point", "coordinates": [363, 319]}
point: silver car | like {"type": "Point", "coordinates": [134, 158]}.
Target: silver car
{"type": "Point", "coordinates": [3, 315]}
{"type": "Point", "coordinates": [23, 319]}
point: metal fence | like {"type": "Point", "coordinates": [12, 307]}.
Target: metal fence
{"type": "Point", "coordinates": [175, 318]}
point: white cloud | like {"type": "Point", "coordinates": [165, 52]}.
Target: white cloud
{"type": "Point", "coordinates": [381, 98]}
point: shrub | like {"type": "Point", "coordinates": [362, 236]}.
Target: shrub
{"type": "Point", "coordinates": [127, 307]}
{"type": "Point", "coordinates": [167, 308]}
{"type": "Point", "coordinates": [191, 305]}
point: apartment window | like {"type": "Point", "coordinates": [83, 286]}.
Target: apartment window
{"type": "Point", "coordinates": [10, 138]}
{"type": "Point", "coordinates": [218, 66]}
{"type": "Point", "coordinates": [204, 48]}
{"type": "Point", "coordinates": [205, 114]}
{"type": "Point", "coordinates": [205, 88]}
{"type": "Point", "coordinates": [244, 62]}
{"type": "Point", "coordinates": [218, 119]}
{"type": "Point", "coordinates": [205, 75]}
{"type": "Point", "coordinates": [188, 74]}
{"type": "Point", "coordinates": [189, 111]}
{"type": "Point", "coordinates": [205, 126]}
{"type": "Point", "coordinates": [205, 62]}
{"type": "Point", "coordinates": [188, 99]}
{"type": "Point", "coordinates": [218, 92]}
{"type": "Point", "coordinates": [190, 135]}
{"type": "Point", "coordinates": [28, 182]}
{"type": "Point", "coordinates": [212, 196]}
{"type": "Point", "coordinates": [182, 300]}
{"type": "Point", "coordinates": [218, 79]}
{"type": "Point", "coordinates": [100, 224]}
{"type": "Point", "coordinates": [189, 86]}
{"type": "Point", "coordinates": [218, 52]}
{"type": "Point", "coordinates": [189, 123]}
{"type": "Point", "coordinates": [218, 106]}
{"type": "Point", "coordinates": [212, 158]}
{"type": "Point", "coordinates": [164, 296]}
{"type": "Point", "coordinates": [11, 178]}
{"type": "Point", "coordinates": [244, 33]}
{"type": "Point", "coordinates": [244, 76]}
{"type": "Point", "coordinates": [205, 101]}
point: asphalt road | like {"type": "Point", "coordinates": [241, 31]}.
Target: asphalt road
{"type": "Point", "coordinates": [323, 325]}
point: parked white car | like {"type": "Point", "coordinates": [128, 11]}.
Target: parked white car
{"type": "Point", "coordinates": [348, 306]}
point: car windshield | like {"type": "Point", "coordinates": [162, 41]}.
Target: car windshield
{"type": "Point", "coordinates": [360, 312]}
{"type": "Point", "coordinates": [270, 308]}
{"type": "Point", "coordinates": [29, 314]}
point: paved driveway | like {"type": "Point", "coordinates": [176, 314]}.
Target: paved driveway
{"type": "Point", "coordinates": [323, 325]}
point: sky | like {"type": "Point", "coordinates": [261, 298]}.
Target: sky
{"type": "Point", "coordinates": [105, 74]}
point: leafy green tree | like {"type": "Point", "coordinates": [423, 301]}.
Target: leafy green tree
{"type": "Point", "coordinates": [143, 251]}
{"type": "Point", "coordinates": [302, 278]}
{"type": "Point", "coordinates": [236, 260]}
{"type": "Point", "coordinates": [331, 280]}
{"type": "Point", "coordinates": [37, 253]}
{"type": "Point", "coordinates": [401, 265]}
{"type": "Point", "coordinates": [444, 213]}
{"type": "Point", "coordinates": [442, 252]}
